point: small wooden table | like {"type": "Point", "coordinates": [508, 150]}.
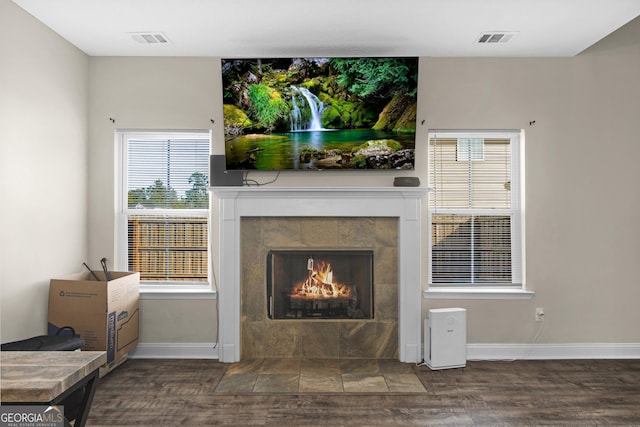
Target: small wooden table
{"type": "Point", "coordinates": [48, 377]}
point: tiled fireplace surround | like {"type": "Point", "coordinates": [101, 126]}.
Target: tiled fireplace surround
{"type": "Point", "coordinates": [263, 337]}
{"type": "Point", "coordinates": [255, 220]}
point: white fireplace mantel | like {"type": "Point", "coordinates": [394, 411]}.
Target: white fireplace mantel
{"type": "Point", "coordinates": [403, 203]}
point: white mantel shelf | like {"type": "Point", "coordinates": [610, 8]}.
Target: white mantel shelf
{"type": "Point", "coordinates": [403, 203]}
{"type": "Point", "coordinates": [268, 191]}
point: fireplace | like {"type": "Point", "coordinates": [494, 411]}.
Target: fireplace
{"type": "Point", "coordinates": [320, 284]}
{"type": "Point", "coordinates": [248, 203]}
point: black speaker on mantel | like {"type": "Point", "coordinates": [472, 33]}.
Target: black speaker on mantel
{"type": "Point", "coordinates": [219, 176]}
{"type": "Point", "coordinates": [406, 181]}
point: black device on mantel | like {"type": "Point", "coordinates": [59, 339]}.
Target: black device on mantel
{"type": "Point", "coordinates": [220, 176]}
{"type": "Point", "coordinates": [406, 181]}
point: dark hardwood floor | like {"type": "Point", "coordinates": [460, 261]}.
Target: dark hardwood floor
{"type": "Point", "coordinates": [521, 393]}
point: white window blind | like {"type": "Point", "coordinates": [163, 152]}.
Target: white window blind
{"type": "Point", "coordinates": [470, 149]}
{"type": "Point", "coordinates": [474, 209]}
{"type": "Point", "coordinates": [166, 204]}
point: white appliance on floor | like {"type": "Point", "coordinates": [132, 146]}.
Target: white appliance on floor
{"type": "Point", "coordinates": [445, 338]}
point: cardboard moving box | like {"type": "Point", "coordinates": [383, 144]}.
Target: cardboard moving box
{"type": "Point", "coordinates": [104, 314]}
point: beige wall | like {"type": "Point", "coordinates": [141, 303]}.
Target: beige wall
{"type": "Point", "coordinates": [144, 94]}
{"type": "Point", "coordinates": [175, 321]}
{"type": "Point", "coordinates": [43, 167]}
{"type": "Point", "coordinates": [582, 175]}
{"type": "Point", "coordinates": [580, 194]}
{"type": "Point", "coordinates": [582, 202]}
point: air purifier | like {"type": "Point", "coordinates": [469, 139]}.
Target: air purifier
{"type": "Point", "coordinates": [445, 338]}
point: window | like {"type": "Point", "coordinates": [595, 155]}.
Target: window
{"type": "Point", "coordinates": [475, 209]}
{"type": "Point", "coordinates": [164, 227]}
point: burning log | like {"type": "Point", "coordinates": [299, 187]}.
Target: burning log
{"type": "Point", "coordinates": [320, 284]}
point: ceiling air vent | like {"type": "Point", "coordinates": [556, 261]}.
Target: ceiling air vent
{"type": "Point", "coordinates": [150, 38]}
{"type": "Point", "coordinates": [496, 37]}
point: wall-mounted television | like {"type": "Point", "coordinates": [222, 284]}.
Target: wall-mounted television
{"type": "Point", "coordinates": [320, 113]}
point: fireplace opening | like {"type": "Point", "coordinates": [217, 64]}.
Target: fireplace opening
{"type": "Point", "coordinates": [320, 284]}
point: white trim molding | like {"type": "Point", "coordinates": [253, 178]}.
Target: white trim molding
{"type": "Point", "coordinates": [479, 352]}
{"type": "Point", "coordinates": [479, 293]}
{"type": "Point", "coordinates": [172, 294]}
{"type": "Point", "coordinates": [553, 351]}
{"type": "Point", "coordinates": [175, 350]}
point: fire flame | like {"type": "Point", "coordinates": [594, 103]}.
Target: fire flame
{"type": "Point", "coordinates": [320, 284]}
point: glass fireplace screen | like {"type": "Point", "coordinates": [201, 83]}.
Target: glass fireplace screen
{"type": "Point", "coordinates": [320, 284]}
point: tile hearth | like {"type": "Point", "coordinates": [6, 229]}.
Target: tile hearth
{"type": "Point", "coordinates": [320, 376]}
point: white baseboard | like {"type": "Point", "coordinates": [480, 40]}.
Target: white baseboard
{"type": "Point", "coordinates": [170, 350]}
{"type": "Point", "coordinates": [553, 351]}
{"type": "Point", "coordinates": [474, 351]}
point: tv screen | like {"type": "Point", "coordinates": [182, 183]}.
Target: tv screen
{"type": "Point", "coordinates": [320, 113]}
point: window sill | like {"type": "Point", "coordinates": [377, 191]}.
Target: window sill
{"type": "Point", "coordinates": [160, 292]}
{"type": "Point", "coordinates": [480, 293]}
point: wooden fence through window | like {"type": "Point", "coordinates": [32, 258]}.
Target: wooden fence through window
{"type": "Point", "coordinates": [168, 248]}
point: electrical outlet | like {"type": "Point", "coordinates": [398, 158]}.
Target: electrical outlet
{"type": "Point", "coordinates": [539, 314]}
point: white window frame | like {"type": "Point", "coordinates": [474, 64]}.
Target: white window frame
{"type": "Point", "coordinates": [157, 289]}
{"type": "Point", "coordinates": [516, 290]}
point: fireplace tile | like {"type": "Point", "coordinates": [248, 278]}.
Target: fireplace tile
{"type": "Point", "coordinates": [282, 339]}
{"type": "Point", "coordinates": [253, 276]}
{"type": "Point", "coordinates": [320, 376]}
{"type": "Point", "coordinates": [280, 366]}
{"type": "Point", "coordinates": [251, 231]}
{"type": "Point", "coordinates": [237, 383]}
{"type": "Point", "coordinates": [320, 340]}
{"type": "Point", "coordinates": [386, 232]}
{"type": "Point", "coordinates": [385, 269]}
{"type": "Point", "coordinates": [282, 232]}
{"type": "Point", "coordinates": [386, 300]}
{"type": "Point", "coordinates": [253, 304]}
{"type": "Point", "coordinates": [267, 383]}
{"type": "Point", "coordinates": [364, 383]}
{"type": "Point", "coordinates": [254, 263]}
{"type": "Point", "coordinates": [369, 340]}
{"type": "Point", "coordinates": [245, 366]}
{"type": "Point", "coordinates": [387, 340]}
{"type": "Point", "coordinates": [406, 383]}
{"type": "Point", "coordinates": [356, 232]}
{"type": "Point", "coordinates": [360, 366]}
{"type": "Point", "coordinates": [319, 383]}
{"type": "Point", "coordinates": [358, 339]}
{"type": "Point", "coordinates": [320, 367]}
{"type": "Point", "coordinates": [392, 366]}
{"type": "Point", "coordinates": [319, 232]}
{"type": "Point", "coordinates": [253, 335]}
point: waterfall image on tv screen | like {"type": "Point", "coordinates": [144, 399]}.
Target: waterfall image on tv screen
{"type": "Point", "coordinates": [320, 113]}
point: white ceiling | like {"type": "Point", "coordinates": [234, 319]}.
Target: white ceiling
{"type": "Point", "coordinates": [284, 28]}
